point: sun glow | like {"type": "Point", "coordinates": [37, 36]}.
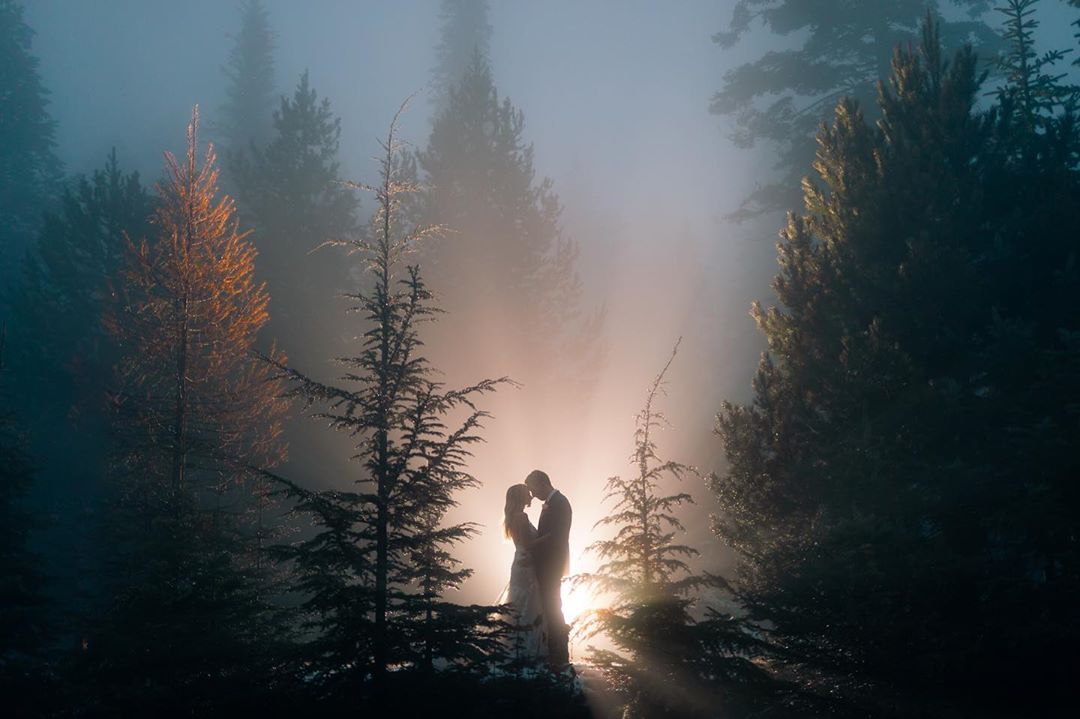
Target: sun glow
{"type": "Point", "coordinates": [576, 601]}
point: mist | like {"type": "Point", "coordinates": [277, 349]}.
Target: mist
{"type": "Point", "coordinates": [645, 132]}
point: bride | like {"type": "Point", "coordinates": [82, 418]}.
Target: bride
{"type": "Point", "coordinates": [523, 591]}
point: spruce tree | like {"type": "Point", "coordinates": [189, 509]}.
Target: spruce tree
{"type": "Point", "coordinates": [245, 118]}
{"type": "Point", "coordinates": [666, 662]}
{"type": "Point", "coordinates": [194, 412]}
{"type": "Point", "coordinates": [465, 32]}
{"type": "Point", "coordinates": [889, 489]}
{"type": "Point", "coordinates": [23, 626]}
{"type": "Point", "coordinates": [506, 267]}
{"type": "Point", "coordinates": [67, 274]}
{"type": "Point", "coordinates": [29, 169]}
{"type": "Point", "coordinates": [375, 572]}
{"type": "Point", "coordinates": [292, 193]}
{"type": "Point", "coordinates": [781, 97]}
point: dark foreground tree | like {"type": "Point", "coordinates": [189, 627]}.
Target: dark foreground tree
{"type": "Point", "coordinates": [189, 629]}
{"type": "Point", "coordinates": [23, 626]}
{"type": "Point", "coordinates": [666, 662]}
{"type": "Point", "coordinates": [63, 357]}
{"type": "Point", "coordinates": [375, 571]}
{"type": "Point", "coordinates": [899, 494]}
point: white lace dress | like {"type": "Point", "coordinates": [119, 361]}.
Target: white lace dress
{"type": "Point", "coordinates": [523, 597]}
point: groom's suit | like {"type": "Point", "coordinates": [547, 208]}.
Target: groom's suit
{"type": "Point", "coordinates": [551, 557]}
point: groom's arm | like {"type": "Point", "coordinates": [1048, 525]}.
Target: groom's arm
{"type": "Point", "coordinates": [560, 530]}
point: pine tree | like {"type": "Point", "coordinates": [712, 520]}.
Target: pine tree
{"type": "Point", "coordinates": [506, 265]}
{"type": "Point", "coordinates": [1034, 93]}
{"type": "Point", "coordinates": [665, 662]}
{"type": "Point", "coordinates": [465, 32]}
{"type": "Point", "coordinates": [23, 626]}
{"type": "Point", "coordinates": [246, 116]}
{"type": "Point", "coordinates": [375, 571]}
{"type": "Point", "coordinates": [29, 169]}
{"type": "Point", "coordinates": [292, 193]}
{"type": "Point", "coordinates": [889, 488]}
{"type": "Point", "coordinates": [781, 97]}
{"type": "Point", "coordinates": [195, 411]}
{"type": "Point", "coordinates": [59, 304]}
{"type": "Point", "coordinates": [64, 361]}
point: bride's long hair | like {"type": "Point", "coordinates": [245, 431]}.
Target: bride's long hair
{"type": "Point", "coordinates": [517, 496]}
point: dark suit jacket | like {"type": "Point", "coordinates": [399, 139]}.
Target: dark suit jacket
{"type": "Point", "coordinates": [552, 557]}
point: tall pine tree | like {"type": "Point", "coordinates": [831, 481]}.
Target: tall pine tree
{"type": "Point", "coordinates": [23, 625]}
{"type": "Point", "coordinates": [195, 411]}
{"type": "Point", "coordinates": [375, 572]}
{"type": "Point", "coordinates": [245, 118]}
{"type": "Point", "coordinates": [892, 487]}
{"type": "Point", "coordinates": [465, 32]}
{"type": "Point", "coordinates": [506, 270]}
{"type": "Point", "coordinates": [29, 169]}
{"type": "Point", "coordinates": [291, 192]}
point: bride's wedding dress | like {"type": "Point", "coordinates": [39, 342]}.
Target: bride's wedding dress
{"type": "Point", "coordinates": [523, 597]}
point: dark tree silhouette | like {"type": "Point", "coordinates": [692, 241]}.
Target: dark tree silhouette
{"type": "Point", "coordinates": [23, 624]}
{"type": "Point", "coordinates": [375, 571]}
{"type": "Point", "coordinates": [890, 490]}
{"type": "Point", "coordinates": [29, 169]}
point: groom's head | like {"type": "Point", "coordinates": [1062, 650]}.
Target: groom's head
{"type": "Point", "coordinates": [539, 484]}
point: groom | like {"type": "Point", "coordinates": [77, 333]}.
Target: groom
{"type": "Point", "coordinates": [551, 559]}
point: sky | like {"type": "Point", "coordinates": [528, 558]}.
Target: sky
{"type": "Point", "coordinates": [615, 95]}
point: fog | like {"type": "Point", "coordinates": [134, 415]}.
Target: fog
{"type": "Point", "coordinates": [615, 99]}
{"type": "Point", "coordinates": [615, 103]}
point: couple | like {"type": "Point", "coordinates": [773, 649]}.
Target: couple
{"type": "Point", "coordinates": [541, 560]}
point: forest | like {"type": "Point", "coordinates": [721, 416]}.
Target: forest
{"type": "Point", "coordinates": [782, 294]}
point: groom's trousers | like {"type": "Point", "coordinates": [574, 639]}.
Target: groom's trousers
{"type": "Point", "coordinates": [551, 598]}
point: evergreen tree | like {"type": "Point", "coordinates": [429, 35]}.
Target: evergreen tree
{"type": "Point", "coordinates": [1035, 94]}
{"type": "Point", "coordinates": [23, 627]}
{"type": "Point", "coordinates": [506, 267]}
{"type": "Point", "coordinates": [64, 361]}
{"type": "Point", "coordinates": [781, 97]}
{"type": "Point", "coordinates": [292, 192]}
{"type": "Point", "coordinates": [675, 662]}
{"type": "Point", "coordinates": [246, 116]}
{"type": "Point", "coordinates": [29, 169]}
{"type": "Point", "coordinates": [891, 489]}
{"type": "Point", "coordinates": [59, 304]}
{"type": "Point", "coordinates": [194, 412]}
{"type": "Point", "coordinates": [465, 32]}
{"type": "Point", "coordinates": [375, 571]}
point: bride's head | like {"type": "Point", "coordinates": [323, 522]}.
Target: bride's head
{"type": "Point", "coordinates": [518, 497]}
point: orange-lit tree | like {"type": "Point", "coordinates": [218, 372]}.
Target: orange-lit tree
{"type": "Point", "coordinates": [194, 410]}
{"type": "Point", "coordinates": [375, 572]}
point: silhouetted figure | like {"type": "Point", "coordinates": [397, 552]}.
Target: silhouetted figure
{"type": "Point", "coordinates": [551, 560]}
